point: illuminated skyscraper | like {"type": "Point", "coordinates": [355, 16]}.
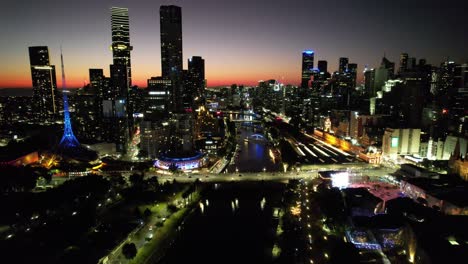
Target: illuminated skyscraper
{"type": "Point", "coordinates": [116, 109]}
{"type": "Point", "coordinates": [171, 50]}
{"type": "Point", "coordinates": [121, 40]}
{"type": "Point", "coordinates": [307, 67]}
{"type": "Point", "coordinates": [45, 94]}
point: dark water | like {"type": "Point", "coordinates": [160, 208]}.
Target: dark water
{"type": "Point", "coordinates": [223, 235]}
{"type": "Point", "coordinates": [254, 155]}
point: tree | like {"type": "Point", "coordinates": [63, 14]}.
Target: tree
{"type": "Point", "coordinates": [344, 252]}
{"type": "Point", "coordinates": [147, 213]}
{"type": "Point", "coordinates": [129, 250]}
{"type": "Point", "coordinates": [136, 179]}
{"type": "Point", "coordinates": [153, 182]}
{"type": "Point", "coordinates": [172, 208]}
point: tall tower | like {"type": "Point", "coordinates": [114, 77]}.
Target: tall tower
{"type": "Point", "coordinates": [121, 122]}
{"type": "Point", "coordinates": [343, 64]}
{"type": "Point", "coordinates": [68, 139]}
{"type": "Point", "coordinates": [352, 71]}
{"type": "Point", "coordinates": [44, 83]}
{"type": "Point", "coordinates": [322, 66]}
{"type": "Point", "coordinates": [171, 51]}
{"type": "Point", "coordinates": [307, 67]}
{"type": "Point", "coordinates": [121, 40]}
{"type": "Point", "coordinates": [403, 63]}
{"type": "Point", "coordinates": [196, 71]}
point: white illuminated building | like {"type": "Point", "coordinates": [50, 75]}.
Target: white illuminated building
{"type": "Point", "coordinates": [340, 179]}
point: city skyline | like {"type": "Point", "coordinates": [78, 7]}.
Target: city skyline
{"type": "Point", "coordinates": [270, 48]}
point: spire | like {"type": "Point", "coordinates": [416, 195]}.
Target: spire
{"type": "Point", "coordinates": [68, 139]}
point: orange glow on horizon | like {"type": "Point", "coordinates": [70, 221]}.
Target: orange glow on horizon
{"type": "Point", "coordinates": [215, 77]}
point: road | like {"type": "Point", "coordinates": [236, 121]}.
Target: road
{"type": "Point", "coordinates": [140, 234]}
{"type": "Point", "coordinates": [311, 173]}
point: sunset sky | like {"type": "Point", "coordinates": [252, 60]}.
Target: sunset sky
{"type": "Point", "coordinates": [242, 41]}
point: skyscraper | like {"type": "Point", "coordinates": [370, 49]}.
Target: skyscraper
{"type": "Point", "coordinates": [307, 67]}
{"type": "Point", "coordinates": [196, 71]}
{"type": "Point", "coordinates": [171, 50]}
{"type": "Point", "coordinates": [171, 40]}
{"type": "Point", "coordinates": [44, 82]}
{"type": "Point", "coordinates": [369, 80]}
{"type": "Point", "coordinates": [343, 64]}
{"type": "Point", "coordinates": [121, 40]}
{"type": "Point", "coordinates": [352, 71]}
{"type": "Point", "coordinates": [116, 107]}
{"type": "Point", "coordinates": [403, 63]}
{"type": "Point", "coordinates": [322, 65]}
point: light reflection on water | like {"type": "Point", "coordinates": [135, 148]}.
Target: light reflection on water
{"type": "Point", "coordinates": [254, 155]}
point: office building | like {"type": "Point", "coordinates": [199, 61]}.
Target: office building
{"type": "Point", "coordinates": [400, 141]}
{"type": "Point", "coordinates": [343, 64]}
{"type": "Point", "coordinates": [383, 73]}
{"type": "Point", "coordinates": [158, 97]}
{"type": "Point", "coordinates": [196, 72]}
{"type": "Point", "coordinates": [352, 74]}
{"type": "Point", "coordinates": [403, 63]}
{"type": "Point", "coordinates": [307, 67]}
{"type": "Point", "coordinates": [322, 66]}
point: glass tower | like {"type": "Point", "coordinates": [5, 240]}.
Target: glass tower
{"type": "Point", "coordinates": [171, 51]}
{"type": "Point", "coordinates": [307, 67]}
{"type": "Point", "coordinates": [121, 40]}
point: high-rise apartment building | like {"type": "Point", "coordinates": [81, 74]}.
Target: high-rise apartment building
{"type": "Point", "coordinates": [44, 83]}
{"type": "Point", "coordinates": [121, 40]}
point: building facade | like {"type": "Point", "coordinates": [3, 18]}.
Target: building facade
{"type": "Point", "coordinates": [171, 51]}
{"type": "Point", "coordinates": [307, 67]}
{"type": "Point", "coordinates": [400, 141]}
{"type": "Point", "coordinates": [44, 82]}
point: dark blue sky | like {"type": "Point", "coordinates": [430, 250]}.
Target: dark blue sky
{"type": "Point", "coordinates": [242, 41]}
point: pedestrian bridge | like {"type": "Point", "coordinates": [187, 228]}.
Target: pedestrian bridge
{"type": "Point", "coordinates": [256, 138]}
